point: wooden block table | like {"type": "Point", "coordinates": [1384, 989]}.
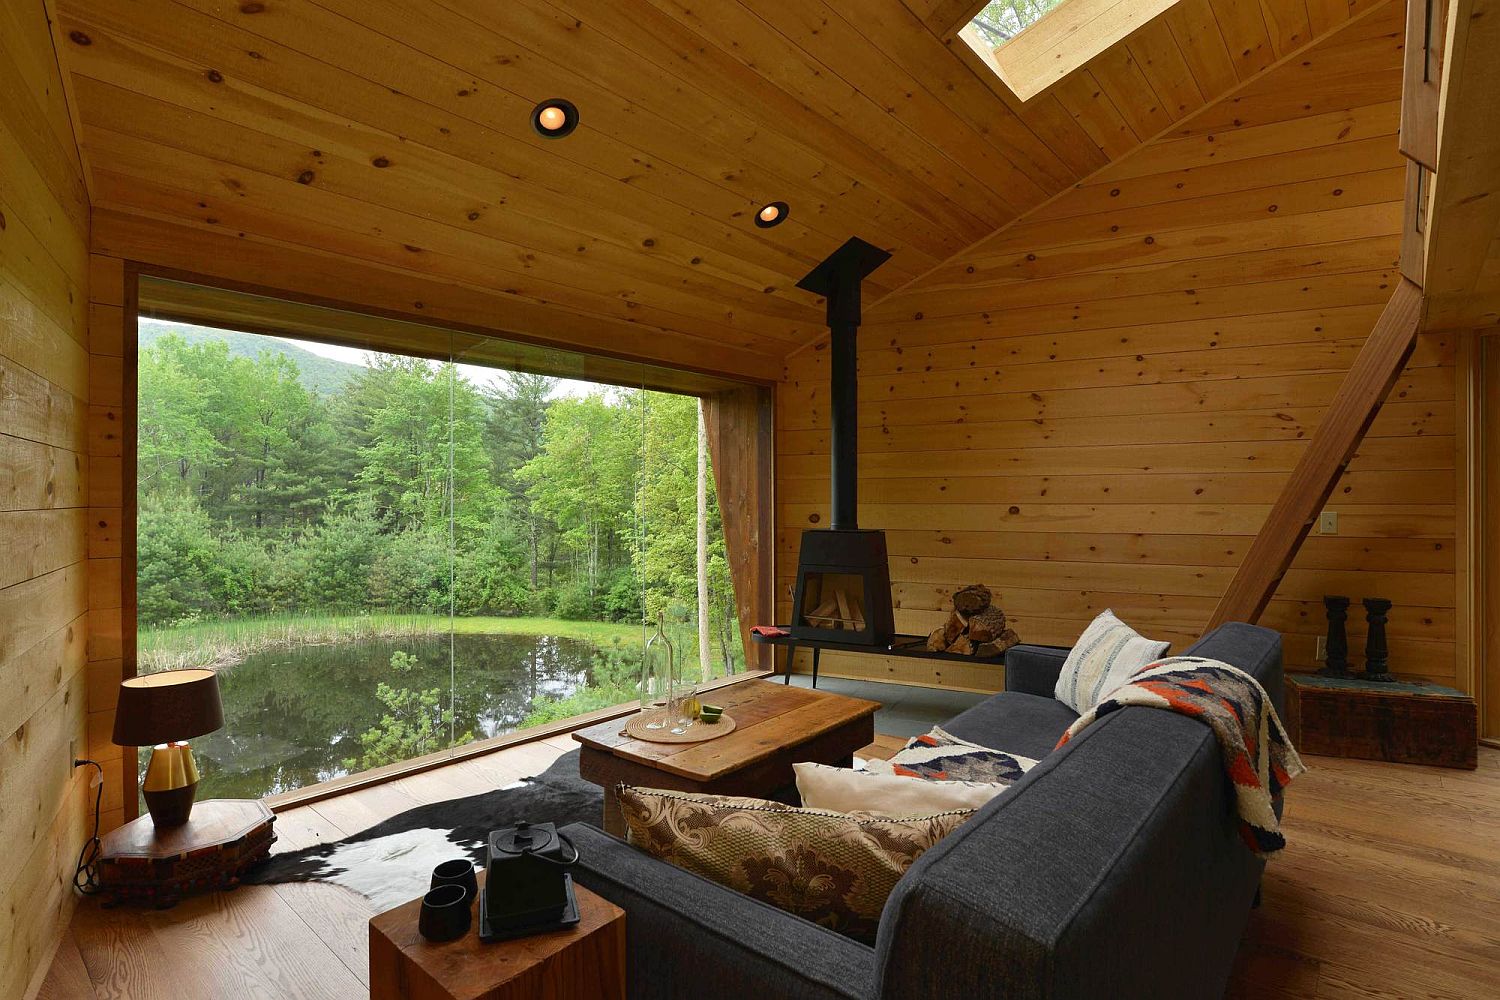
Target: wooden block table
{"type": "Point", "coordinates": [140, 863]}
{"type": "Point", "coordinates": [775, 727]}
{"type": "Point", "coordinates": [586, 962]}
{"type": "Point", "coordinates": [1402, 722]}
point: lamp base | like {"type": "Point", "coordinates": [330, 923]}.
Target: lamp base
{"type": "Point", "coordinates": [171, 784]}
{"type": "Point", "coordinates": [172, 808]}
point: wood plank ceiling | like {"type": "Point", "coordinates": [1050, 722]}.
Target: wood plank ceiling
{"type": "Point", "coordinates": [395, 135]}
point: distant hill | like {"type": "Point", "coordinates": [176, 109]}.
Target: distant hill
{"type": "Point", "coordinates": [324, 376]}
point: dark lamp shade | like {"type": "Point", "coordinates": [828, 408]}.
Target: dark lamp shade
{"type": "Point", "coordinates": [168, 706]}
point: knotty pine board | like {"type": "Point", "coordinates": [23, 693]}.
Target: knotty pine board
{"type": "Point", "coordinates": [44, 381]}
{"type": "Point", "coordinates": [1096, 406]}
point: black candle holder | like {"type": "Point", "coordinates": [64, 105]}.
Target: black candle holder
{"type": "Point", "coordinates": [459, 871]}
{"type": "Point", "coordinates": [446, 913]}
{"type": "Point", "coordinates": [1377, 653]}
{"type": "Point", "coordinates": [1337, 650]}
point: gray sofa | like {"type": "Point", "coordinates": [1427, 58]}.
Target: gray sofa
{"type": "Point", "coordinates": [1112, 869]}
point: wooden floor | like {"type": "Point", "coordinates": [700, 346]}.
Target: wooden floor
{"type": "Point", "coordinates": [1390, 888]}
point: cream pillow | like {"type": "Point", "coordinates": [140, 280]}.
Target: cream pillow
{"type": "Point", "coordinates": [844, 789]}
{"type": "Point", "coordinates": [1107, 655]}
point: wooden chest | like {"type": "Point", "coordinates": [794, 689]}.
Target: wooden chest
{"type": "Point", "coordinates": [1403, 722]}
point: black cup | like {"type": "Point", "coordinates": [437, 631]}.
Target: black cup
{"type": "Point", "coordinates": [459, 871]}
{"type": "Point", "coordinates": [445, 913]}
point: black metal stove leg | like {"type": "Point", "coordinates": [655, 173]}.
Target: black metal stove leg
{"type": "Point", "coordinates": [816, 651]}
{"type": "Point", "coordinates": [791, 654]}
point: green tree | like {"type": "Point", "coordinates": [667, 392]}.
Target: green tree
{"type": "Point", "coordinates": [517, 420]}
{"type": "Point", "coordinates": [425, 457]}
{"type": "Point", "coordinates": [414, 723]}
{"type": "Point", "coordinates": [583, 481]}
{"type": "Point", "coordinates": [177, 559]}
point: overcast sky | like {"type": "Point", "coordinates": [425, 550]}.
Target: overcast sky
{"type": "Point", "coordinates": [474, 373]}
{"type": "Point", "coordinates": [477, 374]}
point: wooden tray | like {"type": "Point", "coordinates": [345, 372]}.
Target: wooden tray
{"type": "Point", "coordinates": [698, 732]}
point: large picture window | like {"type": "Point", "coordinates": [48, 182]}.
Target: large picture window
{"type": "Point", "coordinates": [386, 555]}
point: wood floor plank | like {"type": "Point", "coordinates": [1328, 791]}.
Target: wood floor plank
{"type": "Point", "coordinates": [337, 917]}
{"type": "Point", "coordinates": [68, 979]}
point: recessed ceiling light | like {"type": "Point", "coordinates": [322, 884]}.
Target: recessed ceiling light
{"type": "Point", "coordinates": [772, 215]}
{"type": "Point", "coordinates": [555, 118]}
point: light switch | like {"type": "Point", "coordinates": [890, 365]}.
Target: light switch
{"type": "Point", "coordinates": [1328, 522]}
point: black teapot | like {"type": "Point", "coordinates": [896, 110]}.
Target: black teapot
{"type": "Point", "coordinates": [527, 888]}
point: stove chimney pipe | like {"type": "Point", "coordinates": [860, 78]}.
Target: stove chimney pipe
{"type": "Point", "coordinates": [838, 279]}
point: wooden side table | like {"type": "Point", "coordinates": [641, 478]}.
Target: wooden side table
{"type": "Point", "coordinates": [1404, 722]}
{"type": "Point", "coordinates": [140, 863]}
{"type": "Point", "coordinates": [586, 962]}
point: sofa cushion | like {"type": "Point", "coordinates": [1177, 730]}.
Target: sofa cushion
{"type": "Point", "coordinates": [1106, 656]}
{"type": "Point", "coordinates": [746, 949]}
{"type": "Point", "coordinates": [844, 789]}
{"type": "Point", "coordinates": [1025, 724]}
{"type": "Point", "coordinates": [941, 756]}
{"type": "Point", "coordinates": [835, 869]}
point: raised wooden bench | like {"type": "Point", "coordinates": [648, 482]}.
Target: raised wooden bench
{"type": "Point", "coordinates": [1402, 722]}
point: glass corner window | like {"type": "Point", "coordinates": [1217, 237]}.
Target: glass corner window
{"type": "Point", "coordinates": [387, 555]}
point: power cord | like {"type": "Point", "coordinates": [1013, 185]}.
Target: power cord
{"type": "Point", "coordinates": [86, 875]}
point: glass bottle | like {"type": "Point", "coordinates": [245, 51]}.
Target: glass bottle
{"type": "Point", "coordinates": [658, 678]}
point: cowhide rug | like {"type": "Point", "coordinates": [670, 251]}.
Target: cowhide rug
{"type": "Point", "coordinates": [392, 862]}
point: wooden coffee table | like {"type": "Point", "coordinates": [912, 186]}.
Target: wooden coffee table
{"type": "Point", "coordinates": [775, 727]}
{"type": "Point", "coordinates": [586, 962]}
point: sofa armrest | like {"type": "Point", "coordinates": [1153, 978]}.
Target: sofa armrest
{"type": "Point", "coordinates": [1034, 669]}
{"type": "Point", "coordinates": [1114, 868]}
{"type": "Point", "coordinates": [685, 934]}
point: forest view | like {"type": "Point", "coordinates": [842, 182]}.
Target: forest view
{"type": "Point", "coordinates": [289, 501]}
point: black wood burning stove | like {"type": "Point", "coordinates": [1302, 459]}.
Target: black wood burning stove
{"type": "Point", "coordinates": [843, 591]}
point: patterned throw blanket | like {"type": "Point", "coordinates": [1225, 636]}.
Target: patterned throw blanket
{"type": "Point", "coordinates": [1258, 757]}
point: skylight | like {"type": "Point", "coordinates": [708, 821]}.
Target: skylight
{"type": "Point", "coordinates": [1002, 20]}
{"type": "Point", "coordinates": [1031, 44]}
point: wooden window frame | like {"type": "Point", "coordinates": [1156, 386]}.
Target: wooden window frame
{"type": "Point", "coordinates": [1478, 469]}
{"type": "Point", "coordinates": [742, 462]}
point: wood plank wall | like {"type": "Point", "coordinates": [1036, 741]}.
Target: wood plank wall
{"type": "Point", "coordinates": [1097, 406]}
{"type": "Point", "coordinates": [110, 658]}
{"type": "Point", "coordinates": [44, 384]}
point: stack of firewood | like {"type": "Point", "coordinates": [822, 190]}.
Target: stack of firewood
{"type": "Point", "coordinates": [975, 627]}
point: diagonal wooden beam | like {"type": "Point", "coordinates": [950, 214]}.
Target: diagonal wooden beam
{"type": "Point", "coordinates": [1349, 416]}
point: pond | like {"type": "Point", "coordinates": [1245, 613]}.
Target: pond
{"type": "Point", "coordinates": [293, 716]}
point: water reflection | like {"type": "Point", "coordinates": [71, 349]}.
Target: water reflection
{"type": "Point", "coordinates": [293, 716]}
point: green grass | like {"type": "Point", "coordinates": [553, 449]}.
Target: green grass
{"type": "Point", "coordinates": [225, 643]}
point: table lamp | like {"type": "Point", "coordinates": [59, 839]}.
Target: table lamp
{"type": "Point", "coordinates": [163, 711]}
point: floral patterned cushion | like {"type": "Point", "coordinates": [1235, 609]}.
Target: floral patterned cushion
{"type": "Point", "coordinates": [835, 869]}
{"type": "Point", "coordinates": [941, 756]}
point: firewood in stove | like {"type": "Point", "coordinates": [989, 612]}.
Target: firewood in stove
{"type": "Point", "coordinates": [823, 615]}
{"type": "Point", "coordinates": [987, 625]}
{"type": "Point", "coordinates": [846, 617]}
{"type": "Point", "coordinates": [938, 640]}
{"type": "Point", "coordinates": [971, 599]}
{"type": "Point", "coordinates": [962, 646]}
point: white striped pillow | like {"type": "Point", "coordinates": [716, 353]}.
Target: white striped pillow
{"type": "Point", "coordinates": [1107, 655]}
